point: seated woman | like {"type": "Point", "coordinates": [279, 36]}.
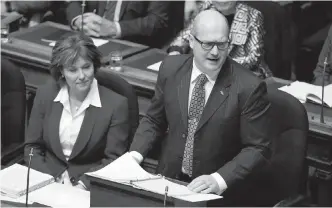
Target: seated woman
{"type": "Point", "coordinates": [76, 125]}
{"type": "Point", "coordinates": [246, 35]}
{"type": "Point", "coordinates": [324, 53]}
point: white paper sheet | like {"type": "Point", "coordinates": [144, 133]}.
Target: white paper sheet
{"type": "Point", "coordinates": [97, 41]}
{"type": "Point", "coordinates": [155, 66]}
{"type": "Point", "coordinates": [303, 91]}
{"type": "Point", "coordinates": [60, 195]}
{"type": "Point", "coordinates": [174, 190]}
{"type": "Point", "coordinates": [124, 169]}
{"type": "Point", "coordinates": [13, 180]}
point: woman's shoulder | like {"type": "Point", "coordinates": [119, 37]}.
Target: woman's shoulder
{"type": "Point", "coordinates": [109, 96]}
{"type": "Point", "coordinates": [49, 89]}
{"type": "Point", "coordinates": [252, 12]}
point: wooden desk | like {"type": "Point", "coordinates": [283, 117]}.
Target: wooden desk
{"type": "Point", "coordinates": [104, 193]}
{"type": "Point", "coordinates": [37, 39]}
{"type": "Point", "coordinates": [136, 71]}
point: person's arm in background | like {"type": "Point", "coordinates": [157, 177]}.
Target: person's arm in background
{"type": "Point", "coordinates": [74, 9]}
{"type": "Point", "coordinates": [157, 18]}
{"type": "Point", "coordinates": [324, 53]}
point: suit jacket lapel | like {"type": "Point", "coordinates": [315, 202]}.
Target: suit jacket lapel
{"type": "Point", "coordinates": [54, 130]}
{"type": "Point", "coordinates": [101, 8]}
{"type": "Point", "coordinates": [218, 95]}
{"type": "Point", "coordinates": [183, 91]}
{"type": "Point", "coordinates": [123, 9]}
{"type": "Point", "coordinates": [85, 131]}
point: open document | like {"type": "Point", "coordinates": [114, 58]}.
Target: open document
{"type": "Point", "coordinates": [123, 170]}
{"type": "Point", "coordinates": [127, 171]}
{"type": "Point", "coordinates": [308, 92]}
{"type": "Point", "coordinates": [14, 180]}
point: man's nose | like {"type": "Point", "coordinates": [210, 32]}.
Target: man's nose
{"type": "Point", "coordinates": [214, 51]}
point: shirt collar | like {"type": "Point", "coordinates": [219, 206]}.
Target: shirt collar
{"type": "Point", "coordinates": [196, 72]}
{"type": "Point", "coordinates": [92, 97]}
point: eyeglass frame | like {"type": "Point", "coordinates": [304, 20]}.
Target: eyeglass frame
{"type": "Point", "coordinates": [213, 44]}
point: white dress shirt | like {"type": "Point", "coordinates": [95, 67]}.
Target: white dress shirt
{"type": "Point", "coordinates": [208, 89]}
{"type": "Point", "coordinates": [71, 122]}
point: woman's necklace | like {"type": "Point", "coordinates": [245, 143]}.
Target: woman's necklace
{"type": "Point", "coordinates": [75, 104]}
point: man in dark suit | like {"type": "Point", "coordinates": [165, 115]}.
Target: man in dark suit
{"type": "Point", "coordinates": [143, 22]}
{"type": "Point", "coordinates": [214, 110]}
{"type": "Point", "coordinates": [325, 53]}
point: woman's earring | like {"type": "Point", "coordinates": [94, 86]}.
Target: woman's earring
{"type": "Point", "coordinates": [62, 77]}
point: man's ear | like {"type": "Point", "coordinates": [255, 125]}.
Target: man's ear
{"type": "Point", "coordinates": [191, 41]}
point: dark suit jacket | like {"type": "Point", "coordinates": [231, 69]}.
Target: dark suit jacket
{"type": "Point", "coordinates": [325, 52]}
{"type": "Point", "coordinates": [232, 135]}
{"type": "Point", "coordinates": [144, 22]}
{"type": "Point", "coordinates": [102, 138]}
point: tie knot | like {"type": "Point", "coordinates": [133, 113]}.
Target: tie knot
{"type": "Point", "coordinates": [202, 79]}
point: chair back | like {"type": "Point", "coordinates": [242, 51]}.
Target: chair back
{"type": "Point", "coordinates": [13, 109]}
{"type": "Point", "coordinates": [122, 87]}
{"type": "Point", "coordinates": [286, 174]}
{"type": "Point", "coordinates": [289, 167]}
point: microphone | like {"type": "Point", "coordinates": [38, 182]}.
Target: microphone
{"type": "Point", "coordinates": [28, 177]}
{"type": "Point", "coordinates": [323, 87]}
{"type": "Point", "coordinates": [165, 196]}
{"type": "Point", "coordinates": [83, 6]}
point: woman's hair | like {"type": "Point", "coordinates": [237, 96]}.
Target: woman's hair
{"type": "Point", "coordinates": [68, 49]}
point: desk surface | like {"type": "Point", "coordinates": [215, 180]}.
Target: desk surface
{"type": "Point", "coordinates": [33, 43]}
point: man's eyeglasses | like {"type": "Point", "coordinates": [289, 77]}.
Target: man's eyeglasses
{"type": "Point", "coordinates": [210, 45]}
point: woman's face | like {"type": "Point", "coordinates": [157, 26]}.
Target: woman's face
{"type": "Point", "coordinates": [225, 7]}
{"type": "Point", "coordinates": [79, 76]}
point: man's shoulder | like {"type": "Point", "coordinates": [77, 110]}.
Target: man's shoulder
{"type": "Point", "coordinates": [243, 76]}
{"type": "Point", "coordinates": [172, 64]}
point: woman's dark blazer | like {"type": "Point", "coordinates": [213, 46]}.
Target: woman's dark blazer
{"type": "Point", "coordinates": [102, 138]}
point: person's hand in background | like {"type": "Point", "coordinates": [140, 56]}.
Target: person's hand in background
{"type": "Point", "coordinates": [91, 23]}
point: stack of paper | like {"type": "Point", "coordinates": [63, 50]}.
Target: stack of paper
{"type": "Point", "coordinates": [304, 91]}
{"type": "Point", "coordinates": [127, 171]}
{"type": "Point", "coordinates": [14, 180]}
{"type": "Point", "coordinates": [60, 195]}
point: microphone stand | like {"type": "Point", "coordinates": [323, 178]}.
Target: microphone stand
{"type": "Point", "coordinates": [323, 83]}
{"type": "Point", "coordinates": [28, 177]}
{"type": "Point", "coordinates": [83, 6]}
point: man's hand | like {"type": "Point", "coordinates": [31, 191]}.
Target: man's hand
{"type": "Point", "coordinates": [107, 28]}
{"type": "Point", "coordinates": [91, 23]}
{"type": "Point", "coordinates": [204, 184]}
{"type": "Point", "coordinates": [95, 25]}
